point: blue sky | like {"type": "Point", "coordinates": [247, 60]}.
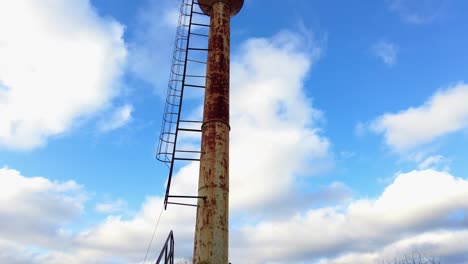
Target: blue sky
{"type": "Point", "coordinates": [348, 142]}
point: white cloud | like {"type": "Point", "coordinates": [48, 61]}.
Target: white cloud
{"type": "Point", "coordinates": [445, 112]}
{"type": "Point", "coordinates": [274, 125]}
{"type": "Point", "coordinates": [336, 191]}
{"type": "Point", "coordinates": [111, 207]}
{"type": "Point", "coordinates": [386, 51]}
{"type": "Point", "coordinates": [13, 253]}
{"type": "Point", "coordinates": [120, 117]}
{"type": "Point", "coordinates": [121, 240]}
{"type": "Point", "coordinates": [32, 210]}
{"type": "Point", "coordinates": [443, 245]}
{"type": "Point", "coordinates": [411, 211]}
{"type": "Point", "coordinates": [60, 62]}
{"type": "Point", "coordinates": [35, 211]}
{"type": "Point", "coordinates": [417, 12]}
{"type": "Point", "coordinates": [115, 232]}
{"type": "Point", "coordinates": [420, 211]}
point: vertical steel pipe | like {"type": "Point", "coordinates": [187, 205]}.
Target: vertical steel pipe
{"type": "Point", "coordinates": [211, 232]}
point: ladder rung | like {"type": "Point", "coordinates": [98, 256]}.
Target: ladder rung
{"type": "Point", "coordinates": [198, 34]}
{"type": "Point", "coordinates": [190, 130]}
{"type": "Point", "coordinates": [187, 159]}
{"type": "Point", "coordinates": [201, 25]}
{"type": "Point", "coordinates": [186, 196]}
{"type": "Point", "coordinates": [168, 133]}
{"type": "Point", "coordinates": [195, 86]}
{"type": "Point", "coordinates": [195, 76]}
{"type": "Point", "coordinates": [190, 121]}
{"type": "Point", "coordinates": [200, 13]}
{"type": "Point", "coordinates": [165, 153]}
{"type": "Point", "coordinates": [198, 49]}
{"type": "Point", "coordinates": [197, 61]}
{"type": "Point", "coordinates": [184, 204]}
{"type": "Point", "coordinates": [188, 151]}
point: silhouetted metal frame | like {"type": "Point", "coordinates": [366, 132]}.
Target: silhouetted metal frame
{"type": "Point", "coordinates": [167, 252]}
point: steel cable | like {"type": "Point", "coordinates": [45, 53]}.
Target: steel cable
{"type": "Point", "coordinates": [152, 237]}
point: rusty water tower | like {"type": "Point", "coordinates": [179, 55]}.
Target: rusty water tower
{"type": "Point", "coordinates": [211, 231]}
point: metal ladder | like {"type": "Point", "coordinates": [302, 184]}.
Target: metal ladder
{"type": "Point", "coordinates": [189, 56]}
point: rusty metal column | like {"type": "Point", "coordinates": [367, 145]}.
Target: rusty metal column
{"type": "Point", "coordinates": [211, 232]}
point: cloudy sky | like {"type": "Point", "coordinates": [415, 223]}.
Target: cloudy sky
{"type": "Point", "coordinates": [348, 142]}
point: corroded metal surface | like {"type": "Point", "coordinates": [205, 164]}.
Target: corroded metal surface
{"type": "Point", "coordinates": [234, 5]}
{"type": "Point", "coordinates": [211, 235]}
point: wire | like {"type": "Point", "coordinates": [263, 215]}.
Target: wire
{"type": "Point", "coordinates": [152, 237]}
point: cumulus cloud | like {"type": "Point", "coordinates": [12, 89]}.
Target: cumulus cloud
{"type": "Point", "coordinates": [440, 245]}
{"type": "Point", "coordinates": [386, 51]}
{"type": "Point", "coordinates": [334, 193]}
{"type": "Point", "coordinates": [13, 253]}
{"type": "Point", "coordinates": [60, 62]}
{"type": "Point", "coordinates": [33, 209]}
{"type": "Point", "coordinates": [121, 240]}
{"type": "Point", "coordinates": [119, 118]}
{"type": "Point", "coordinates": [114, 233]}
{"type": "Point", "coordinates": [420, 211]}
{"type": "Point", "coordinates": [271, 110]}
{"type": "Point", "coordinates": [444, 113]}
{"type": "Point", "coordinates": [34, 213]}
{"type": "Point", "coordinates": [111, 207]}
{"type": "Point", "coordinates": [407, 217]}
